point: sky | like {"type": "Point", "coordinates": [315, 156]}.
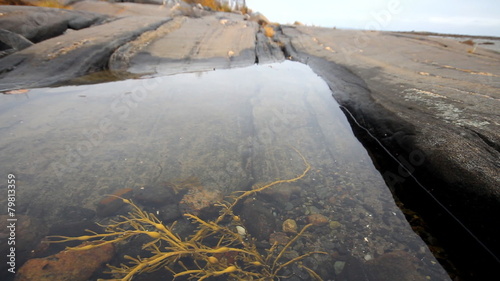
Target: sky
{"type": "Point", "coordinates": [479, 17]}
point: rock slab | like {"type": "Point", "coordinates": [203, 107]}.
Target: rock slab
{"type": "Point", "coordinates": [435, 94]}
{"type": "Point", "coordinates": [37, 23]}
{"type": "Point", "coordinates": [72, 54]}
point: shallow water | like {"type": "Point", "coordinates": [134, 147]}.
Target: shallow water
{"type": "Point", "coordinates": [228, 129]}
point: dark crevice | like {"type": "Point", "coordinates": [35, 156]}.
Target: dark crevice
{"type": "Point", "coordinates": [487, 141]}
{"type": "Point", "coordinates": [437, 216]}
{"type": "Point", "coordinates": [284, 42]}
{"type": "Point", "coordinates": [267, 49]}
{"type": "Point", "coordinates": [256, 46]}
{"type": "Point", "coordinates": [13, 66]}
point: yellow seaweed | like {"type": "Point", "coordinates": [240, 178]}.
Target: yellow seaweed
{"type": "Point", "coordinates": [167, 248]}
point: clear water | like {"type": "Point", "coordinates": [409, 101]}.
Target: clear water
{"type": "Point", "coordinates": [229, 129]}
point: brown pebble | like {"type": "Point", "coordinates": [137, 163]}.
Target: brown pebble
{"type": "Point", "coordinates": [317, 219]}
{"type": "Point", "coordinates": [279, 238]}
{"type": "Point", "coordinates": [66, 265]}
{"type": "Point", "coordinates": [290, 226]}
{"type": "Point", "coordinates": [109, 205]}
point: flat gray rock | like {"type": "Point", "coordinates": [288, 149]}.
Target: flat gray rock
{"type": "Point", "coordinates": [14, 40]}
{"type": "Point", "coordinates": [118, 9]}
{"type": "Point", "coordinates": [220, 40]}
{"type": "Point", "coordinates": [37, 23]}
{"type": "Point", "coordinates": [72, 54]}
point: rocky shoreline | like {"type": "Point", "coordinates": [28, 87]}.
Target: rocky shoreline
{"type": "Point", "coordinates": [127, 37]}
{"type": "Point", "coordinates": [432, 102]}
{"type": "Point", "coordinates": [437, 118]}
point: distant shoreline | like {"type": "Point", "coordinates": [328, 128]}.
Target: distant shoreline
{"type": "Point", "coordinates": [422, 33]}
{"type": "Point", "coordinates": [426, 33]}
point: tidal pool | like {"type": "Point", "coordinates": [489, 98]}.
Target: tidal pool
{"type": "Point", "coordinates": [226, 130]}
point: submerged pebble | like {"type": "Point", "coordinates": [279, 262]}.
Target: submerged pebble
{"type": "Point", "coordinates": [159, 194]}
{"type": "Point", "coordinates": [110, 205]}
{"type": "Point", "coordinates": [317, 219]}
{"type": "Point", "coordinates": [260, 222]}
{"type": "Point", "coordinates": [334, 224]}
{"type": "Point", "coordinates": [241, 230]}
{"type": "Point", "coordinates": [290, 226]}
{"type": "Point", "coordinates": [338, 266]}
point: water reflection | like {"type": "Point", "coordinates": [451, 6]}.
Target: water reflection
{"type": "Point", "coordinates": [200, 136]}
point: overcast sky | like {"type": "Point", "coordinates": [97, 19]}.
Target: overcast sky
{"type": "Point", "coordinates": [479, 17]}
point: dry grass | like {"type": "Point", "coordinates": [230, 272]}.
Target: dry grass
{"type": "Point", "coordinates": [216, 5]}
{"type": "Point", "coordinates": [50, 4]}
{"type": "Point", "coordinates": [269, 31]}
{"type": "Point", "coordinates": [245, 10]}
{"type": "Point", "coordinates": [14, 2]}
{"type": "Point", "coordinates": [212, 4]}
{"type": "Point", "coordinates": [225, 8]}
{"type": "Point", "coordinates": [42, 3]}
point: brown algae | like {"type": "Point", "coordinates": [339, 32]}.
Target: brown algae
{"type": "Point", "coordinates": [205, 258]}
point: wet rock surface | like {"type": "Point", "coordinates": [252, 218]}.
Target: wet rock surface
{"type": "Point", "coordinates": [394, 266]}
